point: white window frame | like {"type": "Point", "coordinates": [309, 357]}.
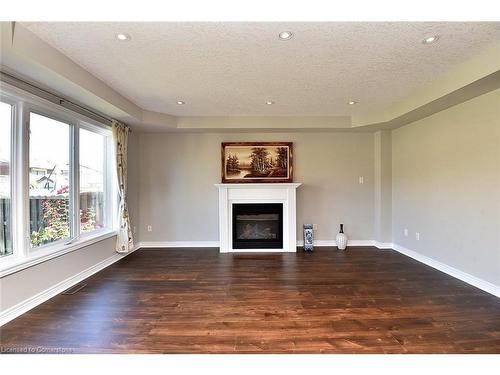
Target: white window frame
{"type": "Point", "coordinates": [13, 127]}
{"type": "Point", "coordinates": [110, 199]}
{"type": "Point", "coordinates": [48, 113]}
{"type": "Point", "coordinates": [23, 255]}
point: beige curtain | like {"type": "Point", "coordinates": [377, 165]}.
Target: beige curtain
{"type": "Point", "coordinates": [124, 242]}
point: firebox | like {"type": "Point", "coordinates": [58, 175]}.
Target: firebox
{"type": "Point", "coordinates": [257, 225]}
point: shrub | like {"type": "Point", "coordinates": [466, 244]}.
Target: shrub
{"type": "Point", "coordinates": [55, 223]}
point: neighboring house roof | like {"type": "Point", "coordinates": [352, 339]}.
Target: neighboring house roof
{"type": "Point", "coordinates": [44, 178]}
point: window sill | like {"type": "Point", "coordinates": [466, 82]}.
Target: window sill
{"type": "Point", "coordinates": [10, 266]}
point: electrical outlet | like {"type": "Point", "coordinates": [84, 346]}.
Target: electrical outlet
{"type": "Point", "coordinates": [315, 226]}
{"type": "Point", "coordinates": [406, 232]}
{"type": "Point", "coordinates": [150, 228]}
{"type": "Point", "coordinates": [134, 229]}
{"type": "Point", "coordinates": [361, 180]}
{"type": "Point", "coordinates": [417, 236]}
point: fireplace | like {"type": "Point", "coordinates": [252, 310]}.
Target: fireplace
{"type": "Point", "coordinates": [279, 198]}
{"type": "Point", "coordinates": [257, 225]}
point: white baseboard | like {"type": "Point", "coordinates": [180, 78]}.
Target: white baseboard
{"type": "Point", "coordinates": [469, 279]}
{"type": "Point", "coordinates": [30, 303]}
{"type": "Point", "coordinates": [194, 244]}
{"type": "Point", "coordinates": [160, 244]}
{"type": "Point", "coordinates": [383, 245]}
{"type": "Point", "coordinates": [354, 243]}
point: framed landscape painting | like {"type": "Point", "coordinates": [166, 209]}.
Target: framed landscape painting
{"type": "Point", "coordinates": [245, 162]}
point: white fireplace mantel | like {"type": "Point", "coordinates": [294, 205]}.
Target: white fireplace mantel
{"type": "Point", "coordinates": [284, 193]}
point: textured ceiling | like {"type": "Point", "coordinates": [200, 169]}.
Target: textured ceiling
{"type": "Point", "coordinates": [222, 69]}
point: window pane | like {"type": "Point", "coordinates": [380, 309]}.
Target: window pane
{"type": "Point", "coordinates": [49, 178]}
{"type": "Point", "coordinates": [5, 193]}
{"type": "Point", "coordinates": [92, 180]}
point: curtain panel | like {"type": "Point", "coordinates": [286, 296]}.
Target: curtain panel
{"type": "Point", "coordinates": [125, 241]}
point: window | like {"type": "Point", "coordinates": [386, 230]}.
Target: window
{"type": "Point", "coordinates": [5, 180]}
{"type": "Point", "coordinates": [93, 163]}
{"type": "Point", "coordinates": [57, 180]}
{"type": "Point", "coordinates": [49, 184]}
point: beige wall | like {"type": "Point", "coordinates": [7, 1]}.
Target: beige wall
{"type": "Point", "coordinates": [446, 186]}
{"type": "Point", "coordinates": [178, 171]}
{"type": "Point", "coordinates": [382, 221]}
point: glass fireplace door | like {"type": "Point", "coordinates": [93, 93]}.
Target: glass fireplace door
{"type": "Point", "coordinates": [257, 226]}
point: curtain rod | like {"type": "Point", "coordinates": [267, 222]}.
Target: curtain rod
{"type": "Point", "coordinates": [56, 99]}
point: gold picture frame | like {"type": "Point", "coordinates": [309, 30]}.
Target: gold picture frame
{"type": "Point", "coordinates": [257, 162]}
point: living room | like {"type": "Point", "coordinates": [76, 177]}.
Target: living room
{"type": "Point", "coordinates": [248, 186]}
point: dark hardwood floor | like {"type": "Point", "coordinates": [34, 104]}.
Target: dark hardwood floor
{"type": "Point", "coordinates": [363, 300]}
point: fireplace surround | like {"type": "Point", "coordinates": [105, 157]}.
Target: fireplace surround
{"type": "Point", "coordinates": [258, 226]}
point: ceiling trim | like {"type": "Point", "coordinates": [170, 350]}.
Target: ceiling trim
{"type": "Point", "coordinates": [264, 122]}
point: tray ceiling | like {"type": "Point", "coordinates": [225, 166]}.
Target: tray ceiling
{"type": "Point", "coordinates": [232, 69]}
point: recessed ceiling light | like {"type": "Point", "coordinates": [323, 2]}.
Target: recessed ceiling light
{"type": "Point", "coordinates": [269, 102]}
{"type": "Point", "coordinates": [123, 37]}
{"type": "Point", "coordinates": [180, 102]}
{"type": "Point", "coordinates": [430, 39]}
{"type": "Point", "coordinates": [352, 102]}
{"type": "Point", "coordinates": [285, 35]}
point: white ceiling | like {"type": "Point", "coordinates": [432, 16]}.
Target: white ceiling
{"type": "Point", "coordinates": [231, 69]}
